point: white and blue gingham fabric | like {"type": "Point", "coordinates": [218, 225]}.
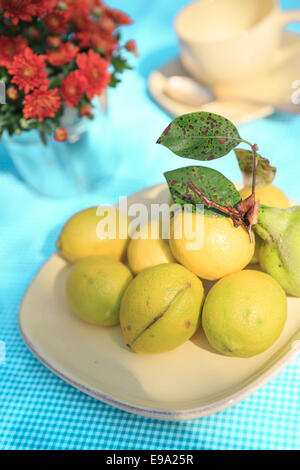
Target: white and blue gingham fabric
{"type": "Point", "coordinates": [39, 410]}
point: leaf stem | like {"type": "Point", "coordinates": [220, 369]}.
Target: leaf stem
{"type": "Point", "coordinates": [254, 151]}
{"type": "Point", "coordinates": [254, 148]}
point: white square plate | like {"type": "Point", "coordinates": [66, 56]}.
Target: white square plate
{"type": "Point", "coordinates": [189, 382]}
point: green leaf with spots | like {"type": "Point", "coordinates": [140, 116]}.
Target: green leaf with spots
{"type": "Point", "coordinates": [210, 182]}
{"type": "Point", "coordinates": [265, 173]}
{"type": "Point", "coordinates": [201, 136]}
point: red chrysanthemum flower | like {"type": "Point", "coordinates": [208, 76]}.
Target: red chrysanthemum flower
{"type": "Point", "coordinates": [17, 10]}
{"type": "Point", "coordinates": [106, 22]}
{"type": "Point", "coordinates": [41, 103]}
{"type": "Point", "coordinates": [56, 21]}
{"type": "Point", "coordinates": [62, 54]}
{"type": "Point", "coordinates": [94, 68]}
{"type": "Point", "coordinates": [78, 7]}
{"type": "Point", "coordinates": [33, 33]}
{"type": "Point", "coordinates": [9, 47]}
{"type": "Point", "coordinates": [43, 6]}
{"type": "Point", "coordinates": [54, 41]}
{"type": "Point", "coordinates": [86, 110]}
{"type": "Point", "coordinates": [73, 86]}
{"type": "Point", "coordinates": [98, 40]}
{"type": "Point", "coordinates": [95, 4]}
{"type": "Point", "coordinates": [119, 17]}
{"type": "Point", "coordinates": [28, 71]}
{"type": "Point", "coordinates": [92, 34]}
{"type": "Point", "coordinates": [12, 93]}
{"type": "Point", "coordinates": [79, 22]}
{"type": "Point", "coordinates": [61, 134]}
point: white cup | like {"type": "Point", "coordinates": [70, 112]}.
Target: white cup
{"type": "Point", "coordinates": [223, 41]}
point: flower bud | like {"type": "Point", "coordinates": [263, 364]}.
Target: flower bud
{"type": "Point", "coordinates": [131, 47]}
{"type": "Point", "coordinates": [12, 93]}
{"type": "Point", "coordinates": [61, 134]}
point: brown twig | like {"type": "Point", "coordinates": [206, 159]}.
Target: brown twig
{"type": "Point", "coordinates": [247, 212]}
{"type": "Point", "coordinates": [235, 215]}
{"type": "Point", "coordinates": [245, 215]}
{"type": "Point", "coordinates": [254, 148]}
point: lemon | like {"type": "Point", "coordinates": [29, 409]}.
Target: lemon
{"type": "Point", "coordinates": [146, 252]}
{"type": "Point", "coordinates": [244, 313]}
{"type": "Point", "coordinates": [225, 249]}
{"type": "Point", "coordinates": [95, 288]}
{"type": "Point", "coordinates": [161, 308]}
{"type": "Point", "coordinates": [83, 235]}
{"type": "Point", "coordinates": [268, 195]}
{"type": "Point", "coordinates": [279, 254]}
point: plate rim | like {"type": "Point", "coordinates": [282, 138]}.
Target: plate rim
{"type": "Point", "coordinates": [167, 415]}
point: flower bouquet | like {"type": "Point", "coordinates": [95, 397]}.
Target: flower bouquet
{"type": "Point", "coordinates": [55, 58]}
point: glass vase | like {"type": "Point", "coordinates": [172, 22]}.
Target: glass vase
{"type": "Point", "coordinates": [65, 169]}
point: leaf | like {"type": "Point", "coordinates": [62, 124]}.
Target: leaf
{"type": "Point", "coordinates": [120, 64]}
{"type": "Point", "coordinates": [56, 82]}
{"type": "Point", "coordinates": [114, 81]}
{"type": "Point", "coordinates": [265, 173]}
{"type": "Point", "coordinates": [201, 136]}
{"type": "Point", "coordinates": [252, 214]}
{"type": "Point", "coordinates": [210, 182]}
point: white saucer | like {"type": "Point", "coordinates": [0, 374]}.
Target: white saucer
{"type": "Point", "coordinates": [189, 382]}
{"type": "Point", "coordinates": [244, 102]}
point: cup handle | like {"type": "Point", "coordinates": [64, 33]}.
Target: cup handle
{"type": "Point", "coordinates": [286, 17]}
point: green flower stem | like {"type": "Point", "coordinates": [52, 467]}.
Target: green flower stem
{"type": "Point", "coordinates": [43, 136]}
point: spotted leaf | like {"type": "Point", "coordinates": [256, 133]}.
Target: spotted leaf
{"type": "Point", "coordinates": [211, 183]}
{"type": "Point", "coordinates": [201, 136]}
{"type": "Point", "coordinates": [265, 173]}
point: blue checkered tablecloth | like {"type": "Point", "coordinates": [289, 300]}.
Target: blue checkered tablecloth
{"type": "Point", "coordinates": [39, 410]}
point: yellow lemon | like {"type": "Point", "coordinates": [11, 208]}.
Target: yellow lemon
{"type": "Point", "coordinates": [87, 234]}
{"type": "Point", "coordinates": [161, 308]}
{"type": "Point", "coordinates": [149, 249]}
{"type": "Point", "coordinates": [95, 288]}
{"type": "Point", "coordinates": [268, 195]}
{"type": "Point", "coordinates": [244, 313]}
{"type": "Point", "coordinates": [221, 248]}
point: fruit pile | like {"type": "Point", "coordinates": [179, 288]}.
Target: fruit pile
{"type": "Point", "coordinates": [153, 286]}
